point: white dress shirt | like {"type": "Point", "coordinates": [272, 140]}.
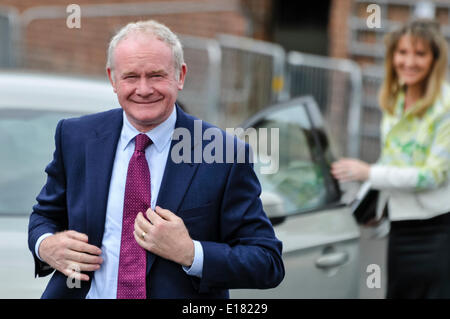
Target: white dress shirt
{"type": "Point", "coordinates": [104, 282]}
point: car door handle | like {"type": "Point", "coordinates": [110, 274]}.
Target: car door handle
{"type": "Point", "coordinates": [332, 259]}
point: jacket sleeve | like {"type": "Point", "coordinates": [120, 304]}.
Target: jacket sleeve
{"type": "Point", "coordinates": [49, 215]}
{"type": "Point", "coordinates": [248, 254]}
{"type": "Point", "coordinates": [430, 175]}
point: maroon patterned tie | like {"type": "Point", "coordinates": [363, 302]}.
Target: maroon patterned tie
{"type": "Point", "coordinates": [132, 262]}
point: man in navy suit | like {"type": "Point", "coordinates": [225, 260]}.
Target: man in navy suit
{"type": "Point", "coordinates": [205, 230]}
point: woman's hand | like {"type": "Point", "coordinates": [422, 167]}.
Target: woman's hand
{"type": "Point", "coordinates": [350, 169]}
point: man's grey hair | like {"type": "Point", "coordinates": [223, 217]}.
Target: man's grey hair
{"type": "Point", "coordinates": [150, 27]}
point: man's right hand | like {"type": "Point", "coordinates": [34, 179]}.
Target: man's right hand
{"type": "Point", "coordinates": [69, 252]}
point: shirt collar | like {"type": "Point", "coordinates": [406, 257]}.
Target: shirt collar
{"type": "Point", "coordinates": [160, 135]}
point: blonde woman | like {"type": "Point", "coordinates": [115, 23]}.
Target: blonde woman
{"type": "Point", "coordinates": [414, 166]}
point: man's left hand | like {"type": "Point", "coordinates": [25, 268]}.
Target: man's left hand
{"type": "Point", "coordinates": [165, 235]}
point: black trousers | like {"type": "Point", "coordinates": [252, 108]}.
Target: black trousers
{"type": "Point", "coordinates": [419, 258]}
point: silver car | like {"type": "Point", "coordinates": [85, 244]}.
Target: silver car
{"type": "Point", "coordinates": [30, 108]}
{"type": "Point", "coordinates": [319, 234]}
{"type": "Point", "coordinates": [320, 237]}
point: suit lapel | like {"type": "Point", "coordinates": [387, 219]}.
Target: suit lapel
{"type": "Point", "coordinates": [177, 177]}
{"type": "Point", "coordinates": [100, 154]}
{"type": "Point", "coordinates": [175, 183]}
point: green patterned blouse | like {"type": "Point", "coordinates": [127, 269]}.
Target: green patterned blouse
{"type": "Point", "coordinates": [422, 143]}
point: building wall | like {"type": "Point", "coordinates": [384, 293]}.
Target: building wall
{"type": "Point", "coordinates": [259, 14]}
{"type": "Point", "coordinates": [391, 14]}
{"type": "Point", "coordinates": [48, 44]}
{"type": "Point", "coordinates": [338, 28]}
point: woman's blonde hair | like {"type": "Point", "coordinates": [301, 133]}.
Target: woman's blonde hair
{"type": "Point", "coordinates": [428, 31]}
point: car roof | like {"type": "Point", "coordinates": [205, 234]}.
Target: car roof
{"type": "Point", "coordinates": [44, 91]}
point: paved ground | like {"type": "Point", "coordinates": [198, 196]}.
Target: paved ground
{"type": "Point", "coordinates": [373, 251]}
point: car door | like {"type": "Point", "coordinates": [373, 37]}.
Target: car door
{"type": "Point", "coordinates": [320, 237]}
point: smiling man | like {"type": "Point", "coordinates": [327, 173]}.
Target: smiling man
{"type": "Point", "coordinates": [121, 216]}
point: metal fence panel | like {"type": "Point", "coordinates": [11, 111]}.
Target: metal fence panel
{"type": "Point", "coordinates": [252, 77]}
{"type": "Point", "coordinates": [4, 38]}
{"type": "Point", "coordinates": [8, 33]}
{"type": "Point", "coordinates": [371, 114]}
{"type": "Point", "coordinates": [336, 86]}
{"type": "Point", "coordinates": [200, 95]}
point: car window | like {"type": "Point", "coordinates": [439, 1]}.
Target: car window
{"type": "Point", "coordinates": [300, 183]}
{"type": "Point", "coordinates": [27, 144]}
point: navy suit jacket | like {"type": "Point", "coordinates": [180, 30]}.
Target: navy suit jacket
{"type": "Point", "coordinates": [218, 202]}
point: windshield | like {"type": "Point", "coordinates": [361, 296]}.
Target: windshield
{"type": "Point", "coordinates": [27, 145]}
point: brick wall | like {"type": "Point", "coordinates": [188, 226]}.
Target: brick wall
{"type": "Point", "coordinates": [338, 28]}
{"type": "Point", "coordinates": [260, 14]}
{"type": "Point", "coordinates": [51, 46]}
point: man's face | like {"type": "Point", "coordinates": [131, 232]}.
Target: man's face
{"type": "Point", "coordinates": [145, 80]}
